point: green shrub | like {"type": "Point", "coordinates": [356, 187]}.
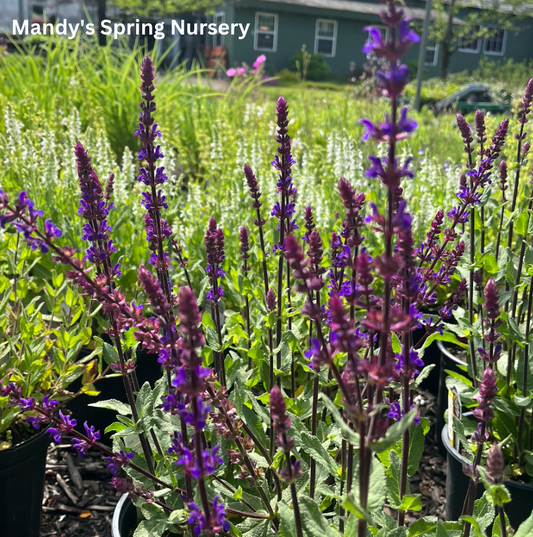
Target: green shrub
{"type": "Point", "coordinates": [317, 69]}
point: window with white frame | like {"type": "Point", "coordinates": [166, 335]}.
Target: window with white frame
{"type": "Point", "coordinates": [326, 37]}
{"type": "Point", "coordinates": [495, 44]}
{"type": "Point", "coordinates": [266, 31]}
{"type": "Point", "coordinates": [218, 39]}
{"type": "Point", "coordinates": [470, 42]}
{"type": "Point", "coordinates": [432, 54]}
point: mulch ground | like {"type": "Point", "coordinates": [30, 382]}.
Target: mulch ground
{"type": "Point", "coordinates": [78, 499]}
{"type": "Point", "coordinates": [79, 502]}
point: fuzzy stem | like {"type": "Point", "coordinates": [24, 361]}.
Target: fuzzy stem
{"type": "Point", "coordinates": [314, 413]}
{"type": "Point", "coordinates": [294, 494]}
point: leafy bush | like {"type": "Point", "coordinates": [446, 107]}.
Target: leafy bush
{"type": "Point", "coordinates": [317, 69]}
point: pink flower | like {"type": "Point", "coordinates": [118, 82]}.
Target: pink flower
{"type": "Point", "coordinates": [260, 60]}
{"type": "Point", "coordinates": [231, 72]}
{"type": "Point", "coordinates": [241, 71]}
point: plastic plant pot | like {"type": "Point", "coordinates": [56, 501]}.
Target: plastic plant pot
{"type": "Point", "coordinates": [518, 510]}
{"type": "Point", "coordinates": [450, 362]}
{"type": "Point", "coordinates": [124, 518]}
{"type": "Point", "coordinates": [22, 470]}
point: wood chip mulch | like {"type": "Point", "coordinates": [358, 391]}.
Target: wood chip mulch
{"type": "Point", "coordinates": [78, 499]}
{"type": "Point", "coordinates": [430, 479]}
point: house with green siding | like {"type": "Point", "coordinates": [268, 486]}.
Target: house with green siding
{"type": "Point", "coordinates": [336, 29]}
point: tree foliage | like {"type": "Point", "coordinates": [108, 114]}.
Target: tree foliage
{"type": "Point", "coordinates": [164, 8]}
{"type": "Point", "coordinates": [478, 24]}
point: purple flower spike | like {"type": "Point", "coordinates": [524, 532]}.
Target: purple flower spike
{"type": "Point", "coordinates": [271, 301]}
{"type": "Point", "coordinates": [495, 464]}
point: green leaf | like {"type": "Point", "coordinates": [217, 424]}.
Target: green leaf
{"type": "Point", "coordinates": [521, 223]}
{"type": "Point", "coordinates": [155, 527]}
{"type": "Point", "coordinates": [312, 445]}
{"type": "Point", "coordinates": [212, 339]}
{"type": "Point", "coordinates": [109, 354]}
{"type": "Point", "coordinates": [520, 372]}
{"type": "Point", "coordinates": [423, 526]}
{"type": "Point", "coordinates": [207, 320]}
{"type": "Point", "coordinates": [423, 375]}
{"type": "Point", "coordinates": [398, 532]}
{"type": "Point", "coordinates": [396, 344]}
{"type": "Point", "coordinates": [521, 400]}
{"type": "Point", "coordinates": [526, 528]}
{"type": "Point", "coordinates": [352, 505]}
{"type": "Point", "coordinates": [499, 495]}
{"type": "Point", "coordinates": [394, 433]}
{"type": "Point", "coordinates": [113, 404]}
{"type": "Point", "coordinates": [313, 522]}
{"type": "Point", "coordinates": [483, 512]}
{"type": "Point", "coordinates": [474, 524]}
{"type": "Point", "coordinates": [450, 337]}
{"type": "Point", "coordinates": [238, 494]}
{"type": "Point", "coordinates": [410, 502]}
{"type": "Point", "coordinates": [416, 448]}
{"type": "Point", "coordinates": [350, 435]}
{"type": "Point", "coordinates": [287, 526]}
{"type": "Point", "coordinates": [376, 486]}
{"type": "Point", "coordinates": [393, 479]}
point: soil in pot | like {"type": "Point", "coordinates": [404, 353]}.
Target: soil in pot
{"type": "Point", "coordinates": [21, 486]}
{"type": "Point", "coordinates": [517, 510]}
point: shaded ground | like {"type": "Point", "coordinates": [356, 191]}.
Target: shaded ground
{"type": "Point", "coordinates": [79, 502]}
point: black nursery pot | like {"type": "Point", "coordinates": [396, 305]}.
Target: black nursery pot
{"type": "Point", "coordinates": [148, 370]}
{"type": "Point", "coordinates": [517, 510]}
{"type": "Point", "coordinates": [22, 470]}
{"type": "Point", "coordinates": [450, 362]}
{"type": "Point", "coordinates": [124, 518]}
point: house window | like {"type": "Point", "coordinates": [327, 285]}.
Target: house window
{"type": "Point", "coordinates": [470, 42]}
{"type": "Point", "coordinates": [325, 37]}
{"type": "Point", "coordinates": [495, 44]}
{"type": "Point", "coordinates": [218, 39]}
{"type": "Point", "coordinates": [266, 31]}
{"type": "Point", "coordinates": [432, 54]}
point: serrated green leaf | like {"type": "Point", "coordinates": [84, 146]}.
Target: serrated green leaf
{"type": "Point", "coordinates": [287, 526]}
{"type": "Point", "coordinates": [312, 445]}
{"type": "Point", "coordinates": [212, 339]}
{"type": "Point", "coordinates": [313, 522]}
{"type": "Point", "coordinates": [154, 527]}
{"type": "Point", "coordinates": [483, 512]}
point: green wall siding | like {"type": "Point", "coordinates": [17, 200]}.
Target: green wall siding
{"type": "Point", "coordinates": [296, 27]}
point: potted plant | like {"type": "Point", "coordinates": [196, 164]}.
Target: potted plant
{"type": "Point", "coordinates": [43, 326]}
{"type": "Point", "coordinates": [295, 415]}
{"type": "Point", "coordinates": [499, 235]}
